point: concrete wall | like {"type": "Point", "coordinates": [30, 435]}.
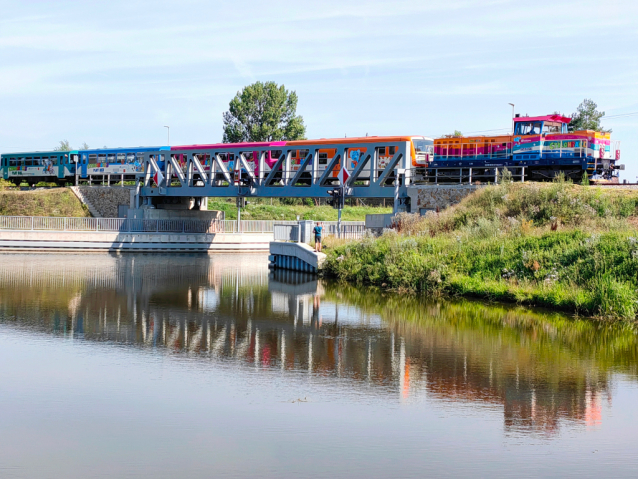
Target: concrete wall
{"type": "Point", "coordinates": [298, 250]}
{"type": "Point", "coordinates": [437, 197]}
{"type": "Point", "coordinates": [113, 241]}
{"type": "Point", "coordinates": [161, 214]}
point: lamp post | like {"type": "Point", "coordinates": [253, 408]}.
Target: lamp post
{"type": "Point", "coordinates": [512, 117]}
{"type": "Point", "coordinates": [168, 135]}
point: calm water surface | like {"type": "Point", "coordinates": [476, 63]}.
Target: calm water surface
{"type": "Point", "coordinates": [197, 366]}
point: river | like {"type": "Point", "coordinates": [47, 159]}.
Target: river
{"type": "Point", "coordinates": [212, 366]}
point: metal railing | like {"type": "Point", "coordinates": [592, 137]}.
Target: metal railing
{"type": "Point", "coordinates": [349, 230]}
{"type": "Point", "coordinates": [124, 225]}
{"type": "Point", "coordinates": [287, 232]}
{"type": "Point", "coordinates": [456, 149]}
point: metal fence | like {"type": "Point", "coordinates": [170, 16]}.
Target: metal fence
{"type": "Point", "coordinates": [349, 230]}
{"type": "Point", "coordinates": [286, 232]}
{"type": "Point", "coordinates": [124, 225]}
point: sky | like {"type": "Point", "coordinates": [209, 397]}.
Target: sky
{"type": "Point", "coordinates": [114, 73]}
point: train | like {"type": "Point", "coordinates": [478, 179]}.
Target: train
{"type": "Point", "coordinates": [239, 159]}
{"type": "Point", "coordinates": [539, 149]}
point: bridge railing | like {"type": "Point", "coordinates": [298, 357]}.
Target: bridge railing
{"type": "Point", "coordinates": [124, 225]}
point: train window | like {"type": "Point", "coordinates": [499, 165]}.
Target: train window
{"type": "Point", "coordinates": [140, 156]}
{"type": "Point", "coordinates": [423, 146]}
{"type": "Point", "coordinates": [382, 150]}
{"type": "Point", "coordinates": [528, 128]}
{"type": "Point", "coordinates": [101, 158]}
{"type": "Point", "coordinates": [13, 162]}
{"type": "Point", "coordinates": [392, 150]}
{"type": "Point", "coordinates": [130, 157]}
{"type": "Point", "coordinates": [323, 158]}
{"type": "Point", "coordinates": [551, 127]}
{"type": "Point", "coordinates": [294, 154]}
{"type": "Point", "coordinates": [93, 158]}
{"type": "Point", "coordinates": [121, 157]}
{"type": "Point", "coordinates": [110, 157]}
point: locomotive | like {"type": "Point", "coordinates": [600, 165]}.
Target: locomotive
{"type": "Point", "coordinates": [541, 148]}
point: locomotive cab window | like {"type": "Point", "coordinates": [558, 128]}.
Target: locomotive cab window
{"type": "Point", "coordinates": [392, 150]}
{"type": "Point", "coordinates": [552, 127]}
{"type": "Point", "coordinates": [528, 128]}
{"type": "Point", "coordinates": [382, 151]}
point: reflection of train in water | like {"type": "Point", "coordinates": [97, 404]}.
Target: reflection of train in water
{"type": "Point", "coordinates": [540, 149]}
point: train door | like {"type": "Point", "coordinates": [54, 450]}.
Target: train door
{"type": "Point", "coordinates": [84, 165]}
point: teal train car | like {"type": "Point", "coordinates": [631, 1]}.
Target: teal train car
{"type": "Point", "coordinates": [34, 167]}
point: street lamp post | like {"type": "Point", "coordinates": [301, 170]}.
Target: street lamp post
{"type": "Point", "coordinates": [168, 135]}
{"type": "Point", "coordinates": [512, 117]}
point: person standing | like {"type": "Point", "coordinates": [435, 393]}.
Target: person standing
{"type": "Point", "coordinates": [318, 230]}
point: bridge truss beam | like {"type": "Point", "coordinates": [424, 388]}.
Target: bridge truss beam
{"type": "Point", "coordinates": [204, 173]}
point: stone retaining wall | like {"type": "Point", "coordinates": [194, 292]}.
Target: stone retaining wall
{"type": "Point", "coordinates": [439, 197]}
{"type": "Point", "coordinates": [106, 199]}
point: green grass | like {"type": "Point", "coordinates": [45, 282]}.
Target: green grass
{"type": "Point", "coordinates": [557, 245]}
{"type": "Point", "coordinates": [263, 210]}
{"type": "Point", "coordinates": [53, 202]}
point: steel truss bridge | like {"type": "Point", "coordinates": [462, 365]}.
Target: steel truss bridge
{"type": "Point", "coordinates": [176, 173]}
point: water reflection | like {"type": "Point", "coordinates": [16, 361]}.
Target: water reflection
{"type": "Point", "coordinates": [543, 370]}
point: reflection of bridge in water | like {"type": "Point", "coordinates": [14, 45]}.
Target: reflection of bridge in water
{"type": "Point", "coordinates": [213, 307]}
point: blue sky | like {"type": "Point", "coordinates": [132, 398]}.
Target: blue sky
{"type": "Point", "coordinates": [114, 73]}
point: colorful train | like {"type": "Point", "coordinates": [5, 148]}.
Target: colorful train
{"type": "Point", "coordinates": [540, 148]}
{"type": "Point", "coordinates": [125, 164]}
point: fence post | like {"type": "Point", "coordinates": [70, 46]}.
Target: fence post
{"type": "Point", "coordinates": [32, 223]}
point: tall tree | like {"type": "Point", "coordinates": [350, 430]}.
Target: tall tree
{"type": "Point", "coordinates": [587, 117]}
{"type": "Point", "coordinates": [263, 112]}
{"type": "Point", "coordinates": [63, 146]}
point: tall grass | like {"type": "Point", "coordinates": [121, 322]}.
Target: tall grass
{"type": "Point", "coordinates": [559, 245]}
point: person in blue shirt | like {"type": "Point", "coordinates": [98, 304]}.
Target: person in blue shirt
{"type": "Point", "coordinates": [318, 230]}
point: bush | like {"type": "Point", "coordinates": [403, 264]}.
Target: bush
{"type": "Point", "coordinates": [558, 245]}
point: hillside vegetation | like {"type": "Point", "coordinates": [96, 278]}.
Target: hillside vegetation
{"type": "Point", "coordinates": [52, 202]}
{"type": "Point", "coordinates": [560, 245]}
{"type": "Point", "coordinates": [260, 209]}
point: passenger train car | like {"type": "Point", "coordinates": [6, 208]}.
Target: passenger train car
{"type": "Point", "coordinates": [540, 149]}
{"type": "Point", "coordinates": [113, 164]}
{"type": "Point", "coordinates": [242, 158]}
{"type": "Point", "coordinates": [32, 168]}
{"type": "Point", "coordinates": [102, 165]}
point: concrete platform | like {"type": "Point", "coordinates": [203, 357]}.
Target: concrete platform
{"type": "Point", "coordinates": [146, 242]}
{"type": "Point", "coordinates": [295, 256]}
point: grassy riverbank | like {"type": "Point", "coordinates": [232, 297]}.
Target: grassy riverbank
{"type": "Point", "coordinates": [52, 202]}
{"type": "Point", "coordinates": [263, 209]}
{"type": "Point", "coordinates": [568, 247]}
